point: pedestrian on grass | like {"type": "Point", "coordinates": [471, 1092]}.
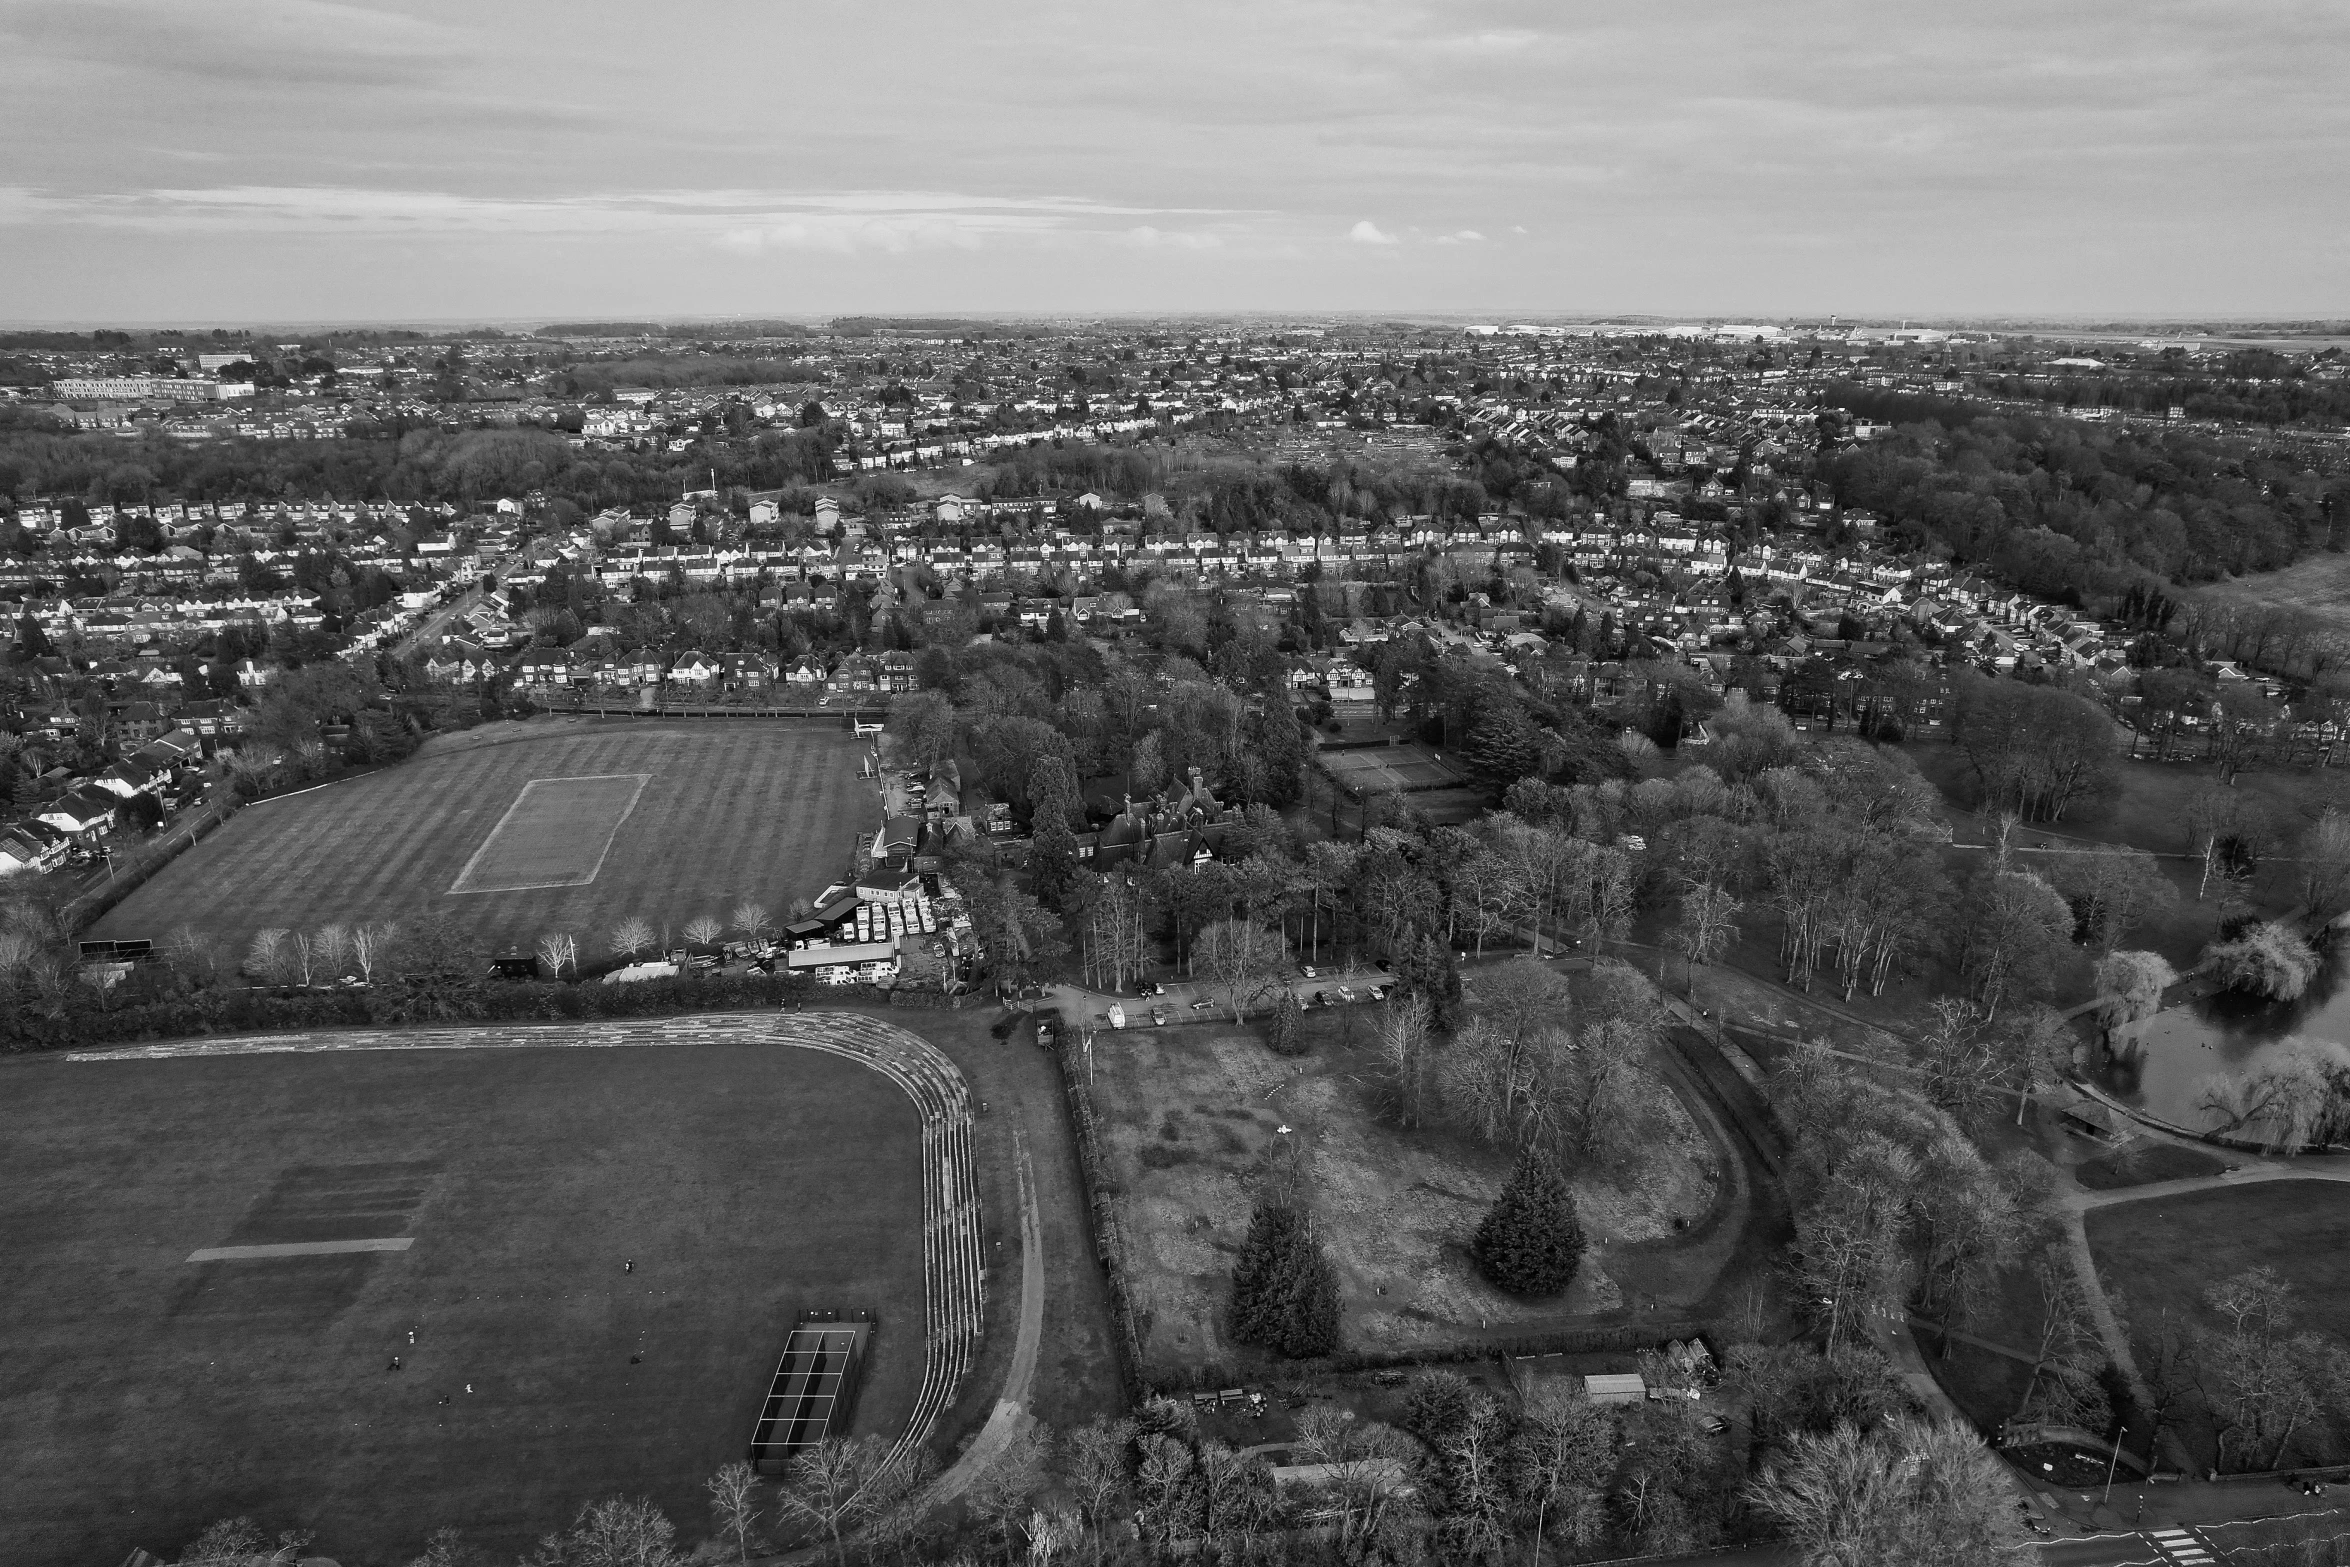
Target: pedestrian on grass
{"type": "Point", "coordinates": [395, 1365]}
{"type": "Point", "coordinates": [629, 1266]}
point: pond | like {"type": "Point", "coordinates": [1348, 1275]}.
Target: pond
{"type": "Point", "coordinates": [2291, 1057]}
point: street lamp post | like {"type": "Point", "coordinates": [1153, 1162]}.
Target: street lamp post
{"type": "Point", "coordinates": [2113, 1460]}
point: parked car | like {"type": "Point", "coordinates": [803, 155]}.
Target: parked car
{"type": "Point", "coordinates": [1116, 1015]}
{"type": "Point", "coordinates": [1159, 1014]}
{"type": "Point", "coordinates": [1307, 969]}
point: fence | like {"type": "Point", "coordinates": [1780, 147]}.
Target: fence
{"type": "Point", "coordinates": [86, 907]}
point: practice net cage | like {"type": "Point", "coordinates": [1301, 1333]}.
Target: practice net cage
{"type": "Point", "coordinates": [814, 1394]}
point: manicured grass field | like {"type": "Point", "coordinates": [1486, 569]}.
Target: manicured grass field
{"type": "Point", "coordinates": [555, 834]}
{"type": "Point", "coordinates": [2160, 1254]}
{"type": "Point", "coordinates": [2144, 1163]}
{"type": "Point", "coordinates": [729, 811]}
{"type": "Point", "coordinates": [142, 1395]}
{"type": "Point", "coordinates": [2157, 1257]}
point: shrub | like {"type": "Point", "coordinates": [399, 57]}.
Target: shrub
{"type": "Point", "coordinates": [1440, 1406]}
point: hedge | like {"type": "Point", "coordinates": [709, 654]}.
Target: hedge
{"type": "Point", "coordinates": [238, 1010]}
{"type": "Point", "coordinates": [1100, 1201]}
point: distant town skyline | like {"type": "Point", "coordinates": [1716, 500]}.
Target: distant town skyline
{"type": "Point", "coordinates": [291, 160]}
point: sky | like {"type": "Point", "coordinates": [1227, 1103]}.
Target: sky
{"type": "Point", "coordinates": [200, 162]}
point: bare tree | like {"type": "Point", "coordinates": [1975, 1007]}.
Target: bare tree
{"type": "Point", "coordinates": [829, 1487]}
{"type": "Point", "coordinates": [2227, 830]}
{"type": "Point", "coordinates": [2066, 1350]}
{"type": "Point", "coordinates": [1403, 1054]}
{"type": "Point", "coordinates": [1707, 924]}
{"type": "Point", "coordinates": [370, 944]}
{"type": "Point", "coordinates": [1907, 1493]}
{"type": "Point", "coordinates": [752, 919]}
{"type": "Point", "coordinates": [1484, 885]}
{"type": "Point", "coordinates": [631, 936]}
{"type": "Point", "coordinates": [192, 952]}
{"type": "Point", "coordinates": [734, 1502]}
{"type": "Point", "coordinates": [897, 1505]}
{"type": "Point", "coordinates": [1049, 1534]}
{"type": "Point", "coordinates": [331, 948]}
{"type": "Point", "coordinates": [2325, 865]}
{"type": "Point", "coordinates": [1112, 939]}
{"type": "Point", "coordinates": [1001, 1496]}
{"type": "Point", "coordinates": [704, 930]}
{"type": "Point", "coordinates": [269, 959]}
{"type": "Point", "coordinates": [1097, 1466]}
{"type": "Point", "coordinates": [618, 1532]}
{"type": "Point", "coordinates": [1367, 1472]}
{"type": "Point", "coordinates": [1241, 960]}
{"type": "Point", "coordinates": [558, 950]}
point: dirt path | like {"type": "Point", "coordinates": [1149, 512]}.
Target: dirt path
{"type": "Point", "coordinates": [1011, 1409]}
{"type": "Point", "coordinates": [2081, 1199]}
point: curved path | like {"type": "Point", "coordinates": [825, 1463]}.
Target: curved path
{"type": "Point", "coordinates": [952, 1249]}
{"type": "Point", "coordinates": [1010, 1415]}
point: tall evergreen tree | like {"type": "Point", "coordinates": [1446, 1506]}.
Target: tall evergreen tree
{"type": "Point", "coordinates": [1531, 1241]}
{"type": "Point", "coordinates": [1285, 1036]}
{"type": "Point", "coordinates": [1284, 1290]}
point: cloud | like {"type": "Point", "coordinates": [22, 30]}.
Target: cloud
{"type": "Point", "coordinates": [1179, 239]}
{"type": "Point", "coordinates": [742, 221]}
{"type": "Point", "coordinates": [1462, 237]}
{"type": "Point", "coordinates": [230, 44]}
{"type": "Point", "coordinates": [1369, 233]}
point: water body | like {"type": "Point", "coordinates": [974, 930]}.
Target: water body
{"type": "Point", "coordinates": [2161, 1064]}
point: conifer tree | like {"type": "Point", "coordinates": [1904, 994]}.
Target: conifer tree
{"type": "Point", "coordinates": [1531, 1241]}
{"type": "Point", "coordinates": [1285, 1037]}
{"type": "Point", "coordinates": [1284, 1290]}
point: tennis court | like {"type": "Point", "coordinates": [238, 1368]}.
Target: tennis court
{"type": "Point", "coordinates": [555, 834]}
{"type": "Point", "coordinates": [1385, 769]}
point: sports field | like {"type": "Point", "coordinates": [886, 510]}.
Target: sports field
{"type": "Point", "coordinates": [1383, 769]}
{"type": "Point", "coordinates": [571, 827]}
{"type": "Point", "coordinates": [143, 1394]}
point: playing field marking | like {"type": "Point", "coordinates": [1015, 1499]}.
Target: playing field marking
{"type": "Point", "coordinates": [301, 1249]}
{"type": "Point", "coordinates": [611, 831]}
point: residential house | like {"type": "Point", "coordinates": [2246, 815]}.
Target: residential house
{"type": "Point", "coordinates": [80, 814]}
{"type": "Point", "coordinates": [695, 667]}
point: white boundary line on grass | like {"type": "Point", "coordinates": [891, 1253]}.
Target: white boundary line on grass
{"type": "Point", "coordinates": [458, 888]}
{"type": "Point", "coordinates": [300, 1249]}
